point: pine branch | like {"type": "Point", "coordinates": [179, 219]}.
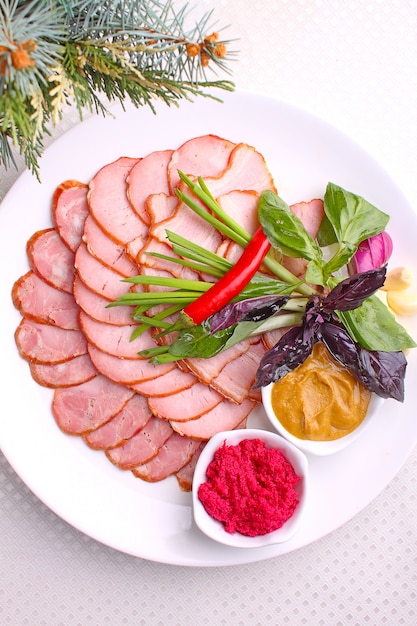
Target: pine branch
{"type": "Point", "coordinates": [116, 49]}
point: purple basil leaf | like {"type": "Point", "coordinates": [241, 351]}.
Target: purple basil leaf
{"type": "Point", "coordinates": [351, 292]}
{"type": "Point", "coordinates": [384, 372]}
{"type": "Point", "coordinates": [291, 351]}
{"type": "Point", "coordinates": [250, 310]}
{"type": "Point", "coordinates": [381, 372]}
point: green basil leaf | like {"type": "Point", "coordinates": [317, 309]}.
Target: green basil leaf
{"type": "Point", "coordinates": [353, 218]}
{"type": "Point", "coordinates": [326, 235]}
{"type": "Point", "coordinates": [285, 230]}
{"type": "Point", "coordinates": [374, 326]}
{"type": "Point", "coordinates": [197, 341]}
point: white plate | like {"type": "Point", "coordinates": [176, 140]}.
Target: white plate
{"type": "Point", "coordinates": [155, 521]}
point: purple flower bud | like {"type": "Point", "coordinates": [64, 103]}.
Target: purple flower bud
{"type": "Point", "coordinates": [371, 254]}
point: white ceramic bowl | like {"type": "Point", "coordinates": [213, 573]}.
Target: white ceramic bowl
{"type": "Point", "coordinates": [320, 448]}
{"type": "Point", "coordinates": [215, 529]}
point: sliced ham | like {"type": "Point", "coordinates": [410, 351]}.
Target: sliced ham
{"type": "Point", "coordinates": [95, 306]}
{"type": "Point", "coordinates": [38, 301]}
{"type": "Point", "coordinates": [154, 246]}
{"type": "Point", "coordinates": [236, 379]}
{"type": "Point", "coordinates": [72, 372]}
{"type": "Point", "coordinates": [242, 206]}
{"type": "Point", "coordinates": [97, 277]}
{"type": "Point", "coordinates": [43, 343]}
{"type": "Point", "coordinates": [107, 251]}
{"type": "Point", "coordinates": [170, 383]}
{"type": "Point", "coordinates": [110, 206]}
{"type": "Point", "coordinates": [83, 408]}
{"type": "Point", "coordinates": [208, 369]}
{"type": "Point", "coordinates": [143, 446]}
{"type": "Point", "coordinates": [149, 176]}
{"type": "Point", "coordinates": [172, 456]}
{"type": "Point", "coordinates": [185, 474]}
{"type": "Point", "coordinates": [51, 259]}
{"type": "Point", "coordinates": [69, 211]}
{"type": "Point", "coordinates": [160, 206]}
{"type": "Point", "coordinates": [127, 371]}
{"type": "Point", "coordinates": [126, 423]}
{"type": "Point", "coordinates": [207, 155]}
{"type": "Point", "coordinates": [185, 405]}
{"type": "Point", "coordinates": [115, 340]}
{"type": "Point", "coordinates": [225, 416]}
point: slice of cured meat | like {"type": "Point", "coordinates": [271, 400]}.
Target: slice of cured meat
{"type": "Point", "coordinates": [170, 383]}
{"type": "Point", "coordinates": [143, 446]}
{"type": "Point", "coordinates": [69, 211]}
{"type": "Point", "coordinates": [242, 207]}
{"type": "Point", "coordinates": [185, 474]}
{"type": "Point", "coordinates": [174, 454]}
{"type": "Point", "coordinates": [83, 408]}
{"type": "Point", "coordinates": [148, 177]}
{"type": "Point", "coordinates": [50, 258]}
{"type": "Point", "coordinates": [106, 250]}
{"type": "Point", "coordinates": [186, 405]}
{"type": "Point", "coordinates": [207, 155]}
{"type": "Point", "coordinates": [104, 281]}
{"type": "Point", "coordinates": [38, 301]}
{"type": "Point", "coordinates": [208, 369]}
{"type": "Point", "coordinates": [225, 416]}
{"type": "Point", "coordinates": [115, 340]}
{"type": "Point", "coordinates": [43, 343]}
{"type": "Point", "coordinates": [126, 423]}
{"type": "Point", "coordinates": [95, 306]}
{"type": "Point", "coordinates": [127, 371]}
{"type": "Point", "coordinates": [72, 372]}
{"type": "Point", "coordinates": [110, 206]}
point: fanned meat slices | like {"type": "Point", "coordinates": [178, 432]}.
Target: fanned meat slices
{"type": "Point", "coordinates": [153, 420]}
{"type": "Point", "coordinates": [51, 259]}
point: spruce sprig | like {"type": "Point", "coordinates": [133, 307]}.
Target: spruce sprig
{"type": "Point", "coordinates": [90, 52]}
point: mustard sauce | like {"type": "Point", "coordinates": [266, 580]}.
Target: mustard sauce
{"type": "Point", "coordinates": [320, 400]}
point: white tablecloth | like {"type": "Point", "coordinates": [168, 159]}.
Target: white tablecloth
{"type": "Point", "coordinates": [355, 65]}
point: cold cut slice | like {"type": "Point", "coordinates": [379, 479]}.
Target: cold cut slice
{"type": "Point", "coordinates": [185, 474]}
{"type": "Point", "coordinates": [38, 301]}
{"type": "Point", "coordinates": [115, 340]}
{"type": "Point", "coordinates": [148, 177]}
{"type": "Point", "coordinates": [72, 372]}
{"type": "Point", "coordinates": [51, 259]}
{"type": "Point", "coordinates": [143, 446]}
{"type": "Point", "coordinates": [225, 416]}
{"type": "Point", "coordinates": [110, 206]}
{"type": "Point", "coordinates": [99, 278]}
{"type": "Point", "coordinates": [69, 211]}
{"type": "Point", "coordinates": [106, 251]}
{"type": "Point", "coordinates": [43, 343]}
{"type": "Point", "coordinates": [172, 456]}
{"type": "Point", "coordinates": [83, 408]}
{"type": "Point", "coordinates": [95, 306]}
{"type": "Point", "coordinates": [126, 423]}
{"type": "Point", "coordinates": [186, 405]}
{"type": "Point", "coordinates": [170, 383]}
{"type": "Point", "coordinates": [127, 371]}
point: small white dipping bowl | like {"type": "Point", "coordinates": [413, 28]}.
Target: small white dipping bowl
{"type": "Point", "coordinates": [215, 529]}
{"type": "Point", "coordinates": [320, 448]}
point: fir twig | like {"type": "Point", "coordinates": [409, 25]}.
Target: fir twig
{"type": "Point", "coordinates": [81, 51]}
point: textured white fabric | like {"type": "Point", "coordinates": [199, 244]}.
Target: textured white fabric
{"type": "Point", "coordinates": [355, 65]}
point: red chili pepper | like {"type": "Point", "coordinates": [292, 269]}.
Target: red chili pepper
{"type": "Point", "coordinates": [232, 283]}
